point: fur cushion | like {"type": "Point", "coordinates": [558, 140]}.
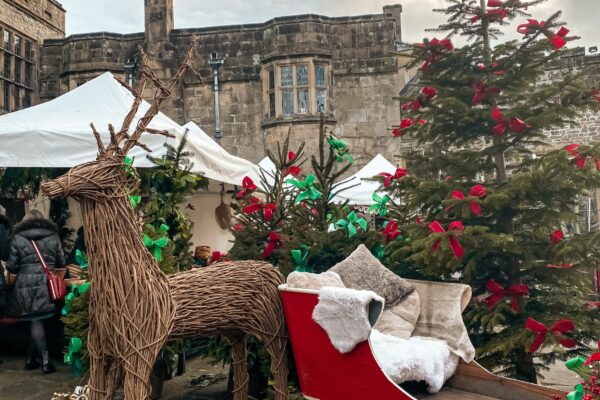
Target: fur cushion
{"type": "Point", "coordinates": [361, 270]}
{"type": "Point", "coordinates": [306, 280]}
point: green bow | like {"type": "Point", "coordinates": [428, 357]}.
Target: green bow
{"type": "Point", "coordinates": [128, 167]}
{"type": "Point", "coordinates": [72, 357]}
{"type": "Point", "coordinates": [576, 365]}
{"type": "Point", "coordinates": [379, 252]}
{"type": "Point", "coordinates": [300, 257]}
{"type": "Point", "coordinates": [380, 205]}
{"type": "Point", "coordinates": [340, 148]}
{"type": "Point", "coordinates": [81, 259]}
{"type": "Point", "coordinates": [156, 245]}
{"type": "Point", "coordinates": [576, 394]}
{"type": "Point", "coordinates": [135, 201]}
{"type": "Point", "coordinates": [350, 223]}
{"type": "Point", "coordinates": [75, 292]}
{"type": "Point", "coordinates": [307, 187]}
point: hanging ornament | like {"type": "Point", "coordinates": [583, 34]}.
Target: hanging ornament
{"type": "Point", "coordinates": [557, 237]}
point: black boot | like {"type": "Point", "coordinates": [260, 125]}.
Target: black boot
{"type": "Point", "coordinates": [47, 365]}
{"type": "Point", "coordinates": [32, 362]}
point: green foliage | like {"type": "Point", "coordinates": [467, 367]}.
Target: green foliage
{"type": "Point", "coordinates": [531, 189]}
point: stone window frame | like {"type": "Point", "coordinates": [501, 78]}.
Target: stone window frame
{"type": "Point", "coordinates": [16, 86]}
{"type": "Point", "coordinates": [273, 69]}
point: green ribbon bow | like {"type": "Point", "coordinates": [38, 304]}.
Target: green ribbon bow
{"type": "Point", "coordinates": [157, 245]}
{"type": "Point", "coordinates": [300, 257]}
{"type": "Point", "coordinates": [307, 187]}
{"type": "Point", "coordinates": [340, 148]}
{"type": "Point", "coordinates": [128, 167]}
{"type": "Point", "coordinates": [72, 357]}
{"type": "Point", "coordinates": [380, 205]}
{"type": "Point", "coordinates": [350, 223]}
{"type": "Point", "coordinates": [135, 201]}
{"type": "Point", "coordinates": [576, 365]}
{"type": "Point", "coordinates": [576, 394]}
{"type": "Point", "coordinates": [76, 291]}
{"type": "Point", "coordinates": [379, 252]}
{"type": "Point", "coordinates": [81, 259]}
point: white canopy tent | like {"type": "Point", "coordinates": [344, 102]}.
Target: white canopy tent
{"type": "Point", "coordinates": [362, 193]}
{"type": "Point", "coordinates": [357, 189]}
{"type": "Point", "coordinates": [57, 133]}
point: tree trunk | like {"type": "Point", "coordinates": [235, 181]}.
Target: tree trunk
{"type": "Point", "coordinates": [525, 367]}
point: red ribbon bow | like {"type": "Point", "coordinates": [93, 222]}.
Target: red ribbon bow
{"type": "Point", "coordinates": [596, 95]}
{"type": "Point", "coordinates": [391, 231]}
{"type": "Point", "coordinates": [292, 170]}
{"type": "Point", "coordinates": [237, 228]}
{"type": "Point", "coordinates": [405, 124]}
{"type": "Point", "coordinates": [498, 293]}
{"type": "Point", "coordinates": [494, 15]}
{"type": "Point", "coordinates": [581, 160]}
{"type": "Point", "coordinates": [482, 91]}
{"type": "Point", "coordinates": [533, 25]}
{"type": "Point", "coordinates": [493, 65]}
{"type": "Point", "coordinates": [559, 329]}
{"type": "Point", "coordinates": [478, 191]}
{"type": "Point", "coordinates": [557, 237]}
{"type": "Point", "coordinates": [559, 266]}
{"type": "Point", "coordinates": [594, 357]}
{"type": "Point", "coordinates": [248, 187]}
{"type": "Point", "coordinates": [435, 47]}
{"type": "Point", "coordinates": [218, 256]}
{"type": "Point", "coordinates": [516, 124]}
{"type": "Point", "coordinates": [273, 242]}
{"type": "Point", "coordinates": [456, 226]}
{"type": "Point", "coordinates": [427, 94]}
{"type": "Point", "coordinates": [400, 173]}
{"type": "Point", "coordinates": [256, 205]}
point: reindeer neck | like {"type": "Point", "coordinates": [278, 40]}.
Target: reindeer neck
{"type": "Point", "coordinates": [113, 239]}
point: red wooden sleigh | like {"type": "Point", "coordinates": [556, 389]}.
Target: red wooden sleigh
{"type": "Point", "coordinates": [326, 374]}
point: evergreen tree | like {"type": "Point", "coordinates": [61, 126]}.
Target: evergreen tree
{"type": "Point", "coordinates": [489, 208]}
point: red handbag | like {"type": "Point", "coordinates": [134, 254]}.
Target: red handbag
{"type": "Point", "coordinates": [56, 286]}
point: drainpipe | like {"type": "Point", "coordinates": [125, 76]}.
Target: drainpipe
{"type": "Point", "coordinates": [215, 62]}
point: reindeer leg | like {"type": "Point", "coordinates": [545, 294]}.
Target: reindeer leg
{"type": "Point", "coordinates": [97, 383]}
{"type": "Point", "coordinates": [240, 366]}
{"type": "Point", "coordinates": [137, 380]}
{"type": "Point", "coordinates": [277, 349]}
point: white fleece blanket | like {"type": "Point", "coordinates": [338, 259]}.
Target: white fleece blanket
{"type": "Point", "coordinates": [344, 315]}
{"type": "Point", "coordinates": [414, 359]}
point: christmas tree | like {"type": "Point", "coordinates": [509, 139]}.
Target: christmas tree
{"type": "Point", "coordinates": [489, 210]}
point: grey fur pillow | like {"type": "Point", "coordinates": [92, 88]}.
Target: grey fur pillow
{"type": "Point", "coordinates": [361, 270]}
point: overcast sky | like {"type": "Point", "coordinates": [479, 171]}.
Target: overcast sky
{"type": "Point", "coordinates": [126, 16]}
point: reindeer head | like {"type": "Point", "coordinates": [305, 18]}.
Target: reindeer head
{"type": "Point", "coordinates": [111, 175]}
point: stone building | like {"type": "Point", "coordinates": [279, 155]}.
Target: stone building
{"type": "Point", "coordinates": [24, 25]}
{"type": "Point", "coordinates": [277, 75]}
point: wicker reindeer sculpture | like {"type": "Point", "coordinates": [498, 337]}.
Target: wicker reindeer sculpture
{"type": "Point", "coordinates": [135, 308]}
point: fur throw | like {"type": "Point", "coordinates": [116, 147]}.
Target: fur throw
{"type": "Point", "coordinates": [306, 280]}
{"type": "Point", "coordinates": [361, 270]}
{"type": "Point", "coordinates": [414, 359]}
{"type": "Point", "coordinates": [347, 315]}
{"type": "Point", "coordinates": [35, 224]}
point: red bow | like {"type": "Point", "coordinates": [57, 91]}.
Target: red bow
{"type": "Point", "coordinates": [248, 186]}
{"type": "Point", "coordinates": [405, 124]}
{"type": "Point", "coordinates": [493, 65]}
{"type": "Point", "coordinates": [218, 256]}
{"type": "Point", "coordinates": [273, 242]}
{"type": "Point", "coordinates": [482, 91]}
{"type": "Point", "coordinates": [256, 205]}
{"type": "Point", "coordinates": [427, 94]}
{"type": "Point", "coordinates": [237, 228]}
{"type": "Point", "coordinates": [532, 25]}
{"type": "Point", "coordinates": [498, 293]}
{"type": "Point", "coordinates": [557, 237]}
{"type": "Point", "coordinates": [516, 124]}
{"type": "Point", "coordinates": [478, 191]}
{"type": "Point", "coordinates": [400, 173]}
{"type": "Point", "coordinates": [496, 14]}
{"type": "Point", "coordinates": [456, 226]}
{"type": "Point", "coordinates": [559, 266]}
{"type": "Point", "coordinates": [435, 47]}
{"type": "Point", "coordinates": [391, 231]}
{"type": "Point", "coordinates": [559, 329]}
{"type": "Point", "coordinates": [581, 160]}
{"type": "Point", "coordinates": [596, 95]}
{"type": "Point", "coordinates": [594, 357]}
{"type": "Point", "coordinates": [292, 170]}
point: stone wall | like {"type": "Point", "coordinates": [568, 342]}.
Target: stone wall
{"type": "Point", "coordinates": [37, 19]}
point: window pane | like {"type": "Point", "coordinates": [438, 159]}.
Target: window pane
{"type": "Point", "coordinates": [28, 75]}
{"type": "Point", "coordinates": [303, 101]}
{"type": "Point", "coordinates": [17, 45]}
{"type": "Point", "coordinates": [17, 70]}
{"type": "Point", "coordinates": [320, 75]}
{"type": "Point", "coordinates": [6, 41]}
{"type": "Point", "coordinates": [6, 96]}
{"type": "Point", "coordinates": [287, 100]}
{"type": "Point", "coordinates": [286, 76]}
{"type": "Point", "coordinates": [7, 63]}
{"type": "Point", "coordinates": [17, 94]}
{"type": "Point", "coordinates": [301, 75]}
{"type": "Point", "coordinates": [271, 79]}
{"type": "Point", "coordinates": [271, 104]}
{"type": "Point", "coordinates": [28, 50]}
{"type": "Point", "coordinates": [321, 100]}
{"type": "Point", "coordinates": [27, 99]}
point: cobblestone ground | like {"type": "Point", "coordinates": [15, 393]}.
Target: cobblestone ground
{"type": "Point", "coordinates": [18, 384]}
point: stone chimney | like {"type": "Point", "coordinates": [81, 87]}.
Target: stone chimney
{"type": "Point", "coordinates": [395, 11]}
{"type": "Point", "coordinates": [159, 24]}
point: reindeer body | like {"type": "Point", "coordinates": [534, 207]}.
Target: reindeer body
{"type": "Point", "coordinates": [133, 306]}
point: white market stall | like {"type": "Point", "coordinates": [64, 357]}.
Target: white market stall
{"type": "Point", "coordinates": [57, 134]}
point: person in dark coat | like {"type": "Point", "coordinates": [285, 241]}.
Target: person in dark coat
{"type": "Point", "coordinates": [31, 300]}
{"type": "Point", "coordinates": [5, 229]}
